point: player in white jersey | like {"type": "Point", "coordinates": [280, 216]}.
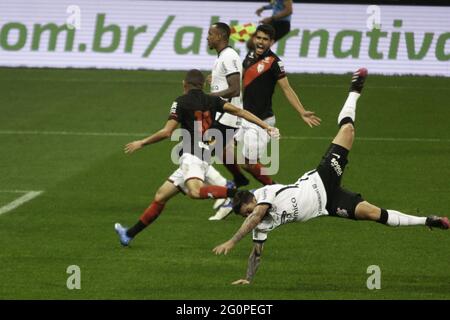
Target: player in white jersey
{"type": "Point", "coordinates": [226, 83]}
{"type": "Point", "coordinates": [316, 193]}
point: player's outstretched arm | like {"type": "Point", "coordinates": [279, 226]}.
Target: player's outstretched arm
{"type": "Point", "coordinates": [308, 116]}
{"type": "Point", "coordinates": [253, 263]}
{"type": "Point", "coordinates": [162, 134]}
{"type": "Point", "coordinates": [249, 224]}
{"type": "Point", "coordinates": [230, 108]}
{"type": "Point", "coordinates": [234, 87]}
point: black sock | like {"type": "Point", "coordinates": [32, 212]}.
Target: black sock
{"type": "Point", "coordinates": [346, 120]}
{"type": "Point", "coordinates": [231, 192]}
{"type": "Point", "coordinates": [134, 230]}
{"type": "Point", "coordinates": [383, 217]}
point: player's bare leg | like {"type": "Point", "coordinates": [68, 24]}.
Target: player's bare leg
{"type": "Point", "coordinates": [198, 190]}
{"type": "Point", "coordinates": [366, 211]}
{"type": "Point", "coordinates": [345, 136]}
{"type": "Point", "coordinates": [162, 196]}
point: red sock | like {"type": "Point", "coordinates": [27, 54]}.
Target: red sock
{"type": "Point", "coordinates": [152, 212]}
{"type": "Point", "coordinates": [213, 192]}
{"type": "Point", "coordinates": [255, 170]}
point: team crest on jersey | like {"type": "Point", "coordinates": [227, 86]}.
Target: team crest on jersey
{"type": "Point", "coordinates": [260, 67]}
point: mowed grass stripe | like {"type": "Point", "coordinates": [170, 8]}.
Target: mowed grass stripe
{"type": "Point", "coordinates": [129, 134]}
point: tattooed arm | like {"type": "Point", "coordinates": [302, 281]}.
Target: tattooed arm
{"type": "Point", "coordinates": [249, 224]}
{"type": "Point", "coordinates": [253, 263]}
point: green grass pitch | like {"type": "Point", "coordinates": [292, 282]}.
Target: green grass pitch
{"type": "Point", "coordinates": [48, 118]}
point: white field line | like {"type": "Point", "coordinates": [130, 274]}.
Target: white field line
{"type": "Point", "coordinates": [29, 195]}
{"type": "Point", "coordinates": [131, 134]}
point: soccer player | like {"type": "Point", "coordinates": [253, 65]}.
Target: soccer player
{"type": "Point", "coordinates": [317, 193]}
{"type": "Point", "coordinates": [195, 112]}
{"type": "Point", "coordinates": [226, 83]}
{"type": "Point", "coordinates": [263, 69]}
{"type": "Point", "coordinates": [280, 18]}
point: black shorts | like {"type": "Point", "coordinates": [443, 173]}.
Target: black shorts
{"type": "Point", "coordinates": [282, 28]}
{"type": "Point", "coordinates": [340, 202]}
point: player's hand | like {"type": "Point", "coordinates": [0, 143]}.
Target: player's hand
{"type": "Point", "coordinates": [259, 11]}
{"type": "Point", "coordinates": [209, 79]}
{"type": "Point", "coordinates": [133, 146]}
{"type": "Point", "coordinates": [311, 119]}
{"type": "Point", "coordinates": [274, 132]}
{"type": "Point", "coordinates": [241, 281]}
{"type": "Point", "coordinates": [267, 20]}
{"type": "Point", "coordinates": [224, 247]}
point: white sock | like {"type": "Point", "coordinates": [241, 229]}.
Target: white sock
{"type": "Point", "coordinates": [398, 219]}
{"type": "Point", "coordinates": [349, 108]}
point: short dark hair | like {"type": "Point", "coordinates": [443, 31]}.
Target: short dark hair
{"type": "Point", "coordinates": [224, 29]}
{"type": "Point", "coordinates": [240, 198]}
{"type": "Point", "coordinates": [195, 78]}
{"type": "Point", "coordinates": [267, 29]}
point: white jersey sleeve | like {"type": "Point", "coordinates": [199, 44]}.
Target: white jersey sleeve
{"type": "Point", "coordinates": [227, 63]}
{"type": "Point", "coordinates": [266, 195]}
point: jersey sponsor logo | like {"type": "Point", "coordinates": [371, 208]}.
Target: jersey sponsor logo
{"type": "Point", "coordinates": [173, 108]}
{"type": "Point", "coordinates": [173, 111]}
{"type": "Point", "coordinates": [294, 206]}
{"type": "Point", "coordinates": [281, 65]}
{"type": "Point", "coordinates": [264, 197]}
{"type": "Point", "coordinates": [336, 166]}
{"type": "Point", "coordinates": [319, 197]}
{"type": "Point", "coordinates": [235, 64]}
{"type": "Point", "coordinates": [225, 70]}
{"type": "Point", "coordinates": [336, 155]}
{"type": "Point", "coordinates": [342, 212]}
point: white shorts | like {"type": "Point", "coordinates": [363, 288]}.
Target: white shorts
{"type": "Point", "coordinates": [193, 167]}
{"type": "Point", "coordinates": [253, 138]}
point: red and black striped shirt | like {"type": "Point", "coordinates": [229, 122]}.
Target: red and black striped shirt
{"type": "Point", "coordinates": [260, 77]}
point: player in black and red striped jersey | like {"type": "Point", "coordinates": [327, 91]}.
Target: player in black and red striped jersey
{"type": "Point", "coordinates": [194, 112]}
{"type": "Point", "coordinates": [263, 70]}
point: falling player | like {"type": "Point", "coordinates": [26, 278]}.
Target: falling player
{"type": "Point", "coordinates": [317, 193]}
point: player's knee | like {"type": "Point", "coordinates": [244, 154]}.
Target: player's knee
{"type": "Point", "coordinates": [194, 193]}
{"type": "Point", "coordinates": [366, 211]}
{"type": "Point", "coordinates": [160, 197]}
{"type": "Point", "coordinates": [348, 129]}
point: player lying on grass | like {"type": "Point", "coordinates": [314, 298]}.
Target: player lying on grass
{"type": "Point", "coordinates": [195, 112]}
{"type": "Point", "coordinates": [317, 193]}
